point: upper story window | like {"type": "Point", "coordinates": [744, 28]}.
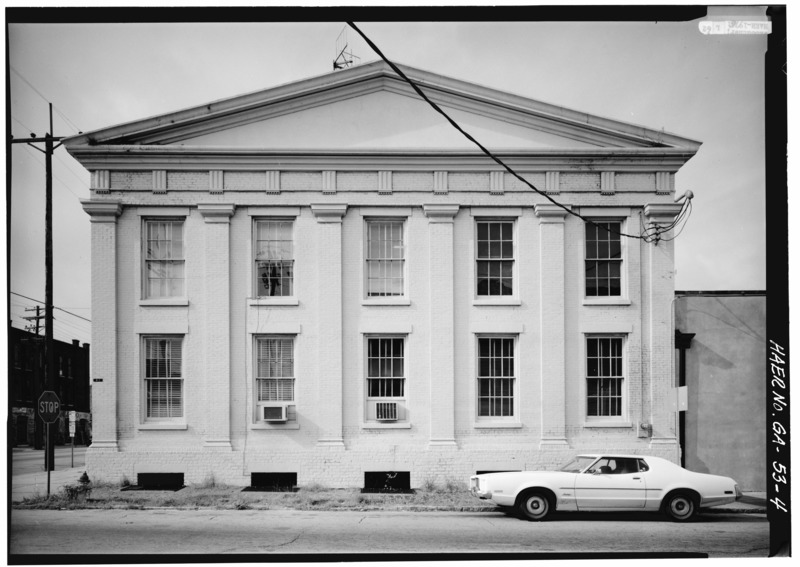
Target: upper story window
{"type": "Point", "coordinates": [164, 259]}
{"type": "Point", "coordinates": [274, 258]}
{"type": "Point", "coordinates": [496, 377]}
{"type": "Point", "coordinates": [604, 377]}
{"type": "Point", "coordinates": [495, 258]}
{"type": "Point", "coordinates": [163, 377]}
{"type": "Point", "coordinates": [385, 257]}
{"type": "Point", "coordinates": [603, 259]}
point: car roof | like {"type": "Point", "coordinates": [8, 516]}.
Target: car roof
{"type": "Point", "coordinates": [615, 456]}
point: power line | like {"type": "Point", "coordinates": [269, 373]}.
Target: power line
{"type": "Point", "coordinates": [27, 82]}
{"type": "Point", "coordinates": [647, 237]}
{"type": "Point", "coordinates": [54, 307]}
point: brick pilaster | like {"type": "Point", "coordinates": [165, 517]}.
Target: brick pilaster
{"type": "Point", "coordinates": [104, 322]}
{"type": "Point", "coordinates": [329, 270]}
{"type": "Point", "coordinates": [442, 330]}
{"type": "Point", "coordinates": [216, 301]}
{"type": "Point", "coordinates": [552, 330]}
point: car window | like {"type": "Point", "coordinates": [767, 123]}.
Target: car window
{"type": "Point", "coordinates": [643, 466]}
{"type": "Point", "coordinates": [577, 464]}
{"type": "Point", "coordinates": [615, 465]}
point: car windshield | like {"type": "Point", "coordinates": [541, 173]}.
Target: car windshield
{"type": "Point", "coordinates": [578, 464]}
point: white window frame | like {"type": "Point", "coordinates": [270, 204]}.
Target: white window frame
{"type": "Point", "coordinates": [624, 379]}
{"type": "Point", "coordinates": [622, 298]}
{"type": "Point", "coordinates": [146, 222]}
{"type": "Point", "coordinates": [401, 298]}
{"type": "Point", "coordinates": [514, 418]}
{"type": "Point", "coordinates": [254, 260]}
{"type": "Point", "coordinates": [292, 379]}
{"type": "Point", "coordinates": [370, 401]}
{"type": "Point", "coordinates": [170, 419]}
{"type": "Point", "coordinates": [512, 299]}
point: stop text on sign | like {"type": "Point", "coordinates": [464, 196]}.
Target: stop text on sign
{"type": "Point", "coordinates": [49, 406]}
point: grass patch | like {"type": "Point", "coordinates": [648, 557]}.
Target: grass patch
{"type": "Point", "coordinates": [210, 495]}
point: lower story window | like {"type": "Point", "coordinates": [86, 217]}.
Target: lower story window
{"type": "Point", "coordinates": [496, 376]}
{"type": "Point", "coordinates": [163, 377]}
{"type": "Point", "coordinates": [275, 369]}
{"type": "Point", "coordinates": [386, 381]}
{"type": "Point", "coordinates": [604, 376]}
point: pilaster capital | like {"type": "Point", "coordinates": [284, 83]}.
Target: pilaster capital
{"type": "Point", "coordinates": [332, 212]}
{"type": "Point", "coordinates": [214, 212]}
{"type": "Point", "coordinates": [102, 211]}
{"type": "Point", "coordinates": [662, 212]}
{"type": "Point", "coordinates": [548, 212]}
{"type": "Point", "coordinates": [440, 213]}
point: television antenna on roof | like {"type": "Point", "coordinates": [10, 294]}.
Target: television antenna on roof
{"type": "Point", "coordinates": [344, 58]}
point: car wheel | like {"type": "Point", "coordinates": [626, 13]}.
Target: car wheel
{"type": "Point", "coordinates": [680, 507]}
{"type": "Point", "coordinates": [534, 506]}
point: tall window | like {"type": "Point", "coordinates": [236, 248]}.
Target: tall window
{"type": "Point", "coordinates": [163, 377]}
{"type": "Point", "coordinates": [495, 257]}
{"type": "Point", "coordinates": [385, 258]}
{"type": "Point", "coordinates": [496, 376]}
{"type": "Point", "coordinates": [274, 258]}
{"type": "Point", "coordinates": [386, 367]}
{"type": "Point", "coordinates": [164, 260]}
{"type": "Point", "coordinates": [275, 369]}
{"type": "Point", "coordinates": [603, 259]}
{"type": "Point", "coordinates": [604, 375]}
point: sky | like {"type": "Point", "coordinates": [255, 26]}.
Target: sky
{"type": "Point", "coordinates": [661, 75]}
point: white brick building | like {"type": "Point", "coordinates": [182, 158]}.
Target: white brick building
{"type": "Point", "coordinates": [326, 279]}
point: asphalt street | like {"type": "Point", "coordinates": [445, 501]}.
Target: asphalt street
{"type": "Point", "coordinates": [163, 532]}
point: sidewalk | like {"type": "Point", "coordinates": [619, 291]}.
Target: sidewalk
{"type": "Point", "coordinates": [28, 477]}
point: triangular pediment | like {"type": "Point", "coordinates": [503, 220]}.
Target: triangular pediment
{"type": "Point", "coordinates": [370, 107]}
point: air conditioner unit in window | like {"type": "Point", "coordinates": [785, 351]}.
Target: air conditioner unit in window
{"type": "Point", "coordinates": [386, 411]}
{"type": "Point", "coordinates": [272, 411]}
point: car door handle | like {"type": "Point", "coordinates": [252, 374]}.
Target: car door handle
{"type": "Point", "coordinates": [637, 478]}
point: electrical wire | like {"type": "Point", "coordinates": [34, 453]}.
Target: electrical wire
{"type": "Point", "coordinates": [44, 98]}
{"type": "Point", "coordinates": [54, 307]}
{"type": "Point", "coordinates": [646, 236]}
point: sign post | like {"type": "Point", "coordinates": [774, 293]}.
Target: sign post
{"type": "Point", "coordinates": [72, 418]}
{"type": "Point", "coordinates": [49, 409]}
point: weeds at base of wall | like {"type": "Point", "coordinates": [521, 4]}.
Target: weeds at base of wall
{"type": "Point", "coordinates": [318, 498]}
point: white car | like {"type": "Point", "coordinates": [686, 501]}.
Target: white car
{"type": "Point", "coordinates": [607, 483]}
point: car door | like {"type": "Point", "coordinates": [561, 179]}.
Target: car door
{"type": "Point", "coordinates": [611, 483]}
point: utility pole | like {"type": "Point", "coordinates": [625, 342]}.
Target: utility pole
{"type": "Point", "coordinates": [49, 354]}
{"type": "Point", "coordinates": [36, 318]}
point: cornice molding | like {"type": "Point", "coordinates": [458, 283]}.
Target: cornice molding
{"type": "Point", "coordinates": [138, 158]}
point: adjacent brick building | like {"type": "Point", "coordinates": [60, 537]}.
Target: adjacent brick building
{"type": "Point", "coordinates": [326, 279]}
{"type": "Point", "coordinates": [26, 383]}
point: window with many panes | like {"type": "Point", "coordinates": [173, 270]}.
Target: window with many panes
{"type": "Point", "coordinates": [163, 377]}
{"type": "Point", "coordinates": [163, 259]}
{"type": "Point", "coordinates": [604, 377]}
{"type": "Point", "coordinates": [495, 258]}
{"type": "Point", "coordinates": [275, 369]}
{"type": "Point", "coordinates": [386, 367]}
{"type": "Point", "coordinates": [603, 259]}
{"type": "Point", "coordinates": [274, 258]}
{"type": "Point", "coordinates": [496, 376]}
{"type": "Point", "coordinates": [385, 256]}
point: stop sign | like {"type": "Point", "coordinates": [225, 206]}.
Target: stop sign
{"type": "Point", "coordinates": [49, 406]}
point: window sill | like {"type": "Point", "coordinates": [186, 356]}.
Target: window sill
{"type": "Point", "coordinates": [386, 301]}
{"type": "Point", "coordinates": [392, 425]}
{"type": "Point", "coordinates": [497, 425]}
{"type": "Point", "coordinates": [273, 301]}
{"type": "Point", "coordinates": [608, 424]}
{"type": "Point", "coordinates": [267, 426]}
{"type": "Point", "coordinates": [496, 302]}
{"type": "Point", "coordinates": [593, 301]}
{"type": "Point", "coordinates": [155, 426]}
{"type": "Point", "coordinates": [168, 302]}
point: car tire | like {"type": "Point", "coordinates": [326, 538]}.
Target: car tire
{"type": "Point", "coordinates": [535, 506]}
{"type": "Point", "coordinates": [680, 506]}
